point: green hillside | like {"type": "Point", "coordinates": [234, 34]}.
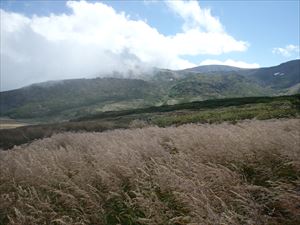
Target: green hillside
{"type": "Point", "coordinates": [69, 99]}
{"type": "Point", "coordinates": [216, 86]}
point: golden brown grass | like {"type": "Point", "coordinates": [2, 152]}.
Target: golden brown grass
{"type": "Point", "coordinates": [246, 173]}
{"type": "Point", "coordinates": [10, 124]}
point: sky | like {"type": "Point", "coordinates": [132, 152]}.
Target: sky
{"type": "Point", "coordinates": [53, 40]}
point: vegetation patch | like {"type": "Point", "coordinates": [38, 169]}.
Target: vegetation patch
{"type": "Point", "coordinates": [261, 111]}
{"type": "Point", "coordinates": [247, 173]}
{"type": "Point", "coordinates": [210, 111]}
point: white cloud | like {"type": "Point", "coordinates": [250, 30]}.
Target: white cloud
{"type": "Point", "coordinates": [230, 62]}
{"type": "Point", "coordinates": [287, 51]}
{"type": "Point", "coordinates": [95, 39]}
{"type": "Point", "coordinates": [195, 17]}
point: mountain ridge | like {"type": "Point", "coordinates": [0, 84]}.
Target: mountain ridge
{"type": "Point", "coordinates": [211, 68]}
{"type": "Point", "coordinates": [68, 99]}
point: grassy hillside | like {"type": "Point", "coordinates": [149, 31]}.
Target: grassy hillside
{"type": "Point", "coordinates": [210, 111]}
{"type": "Point", "coordinates": [69, 99]}
{"type": "Point", "coordinates": [278, 77]}
{"type": "Point", "coordinates": [216, 86]}
{"type": "Point", "coordinates": [227, 174]}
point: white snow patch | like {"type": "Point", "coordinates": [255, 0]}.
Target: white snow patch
{"type": "Point", "coordinates": [278, 74]}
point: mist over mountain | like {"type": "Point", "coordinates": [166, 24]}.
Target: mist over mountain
{"type": "Point", "coordinates": [67, 99]}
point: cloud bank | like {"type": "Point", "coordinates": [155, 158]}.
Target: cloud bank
{"type": "Point", "coordinates": [95, 39]}
{"type": "Point", "coordinates": [287, 51]}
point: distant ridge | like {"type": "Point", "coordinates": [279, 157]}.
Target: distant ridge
{"type": "Point", "coordinates": [277, 77]}
{"type": "Point", "coordinates": [211, 68]}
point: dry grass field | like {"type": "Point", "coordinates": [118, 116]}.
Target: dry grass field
{"type": "Point", "coordinates": [10, 124]}
{"type": "Point", "coordinates": [246, 173]}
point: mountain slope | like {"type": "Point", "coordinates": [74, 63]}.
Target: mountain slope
{"type": "Point", "coordinates": [68, 99]}
{"type": "Point", "coordinates": [217, 86]}
{"type": "Point", "coordinates": [278, 77]}
{"type": "Point", "coordinates": [45, 100]}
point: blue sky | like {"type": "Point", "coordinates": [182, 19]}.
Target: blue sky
{"type": "Point", "coordinates": [264, 24]}
{"type": "Point", "coordinates": [184, 33]}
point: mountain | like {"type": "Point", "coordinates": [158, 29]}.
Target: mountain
{"type": "Point", "coordinates": [68, 99]}
{"type": "Point", "coordinates": [278, 77]}
{"type": "Point", "coordinates": [210, 69]}
{"type": "Point", "coordinates": [50, 98]}
{"type": "Point", "coordinates": [206, 86]}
